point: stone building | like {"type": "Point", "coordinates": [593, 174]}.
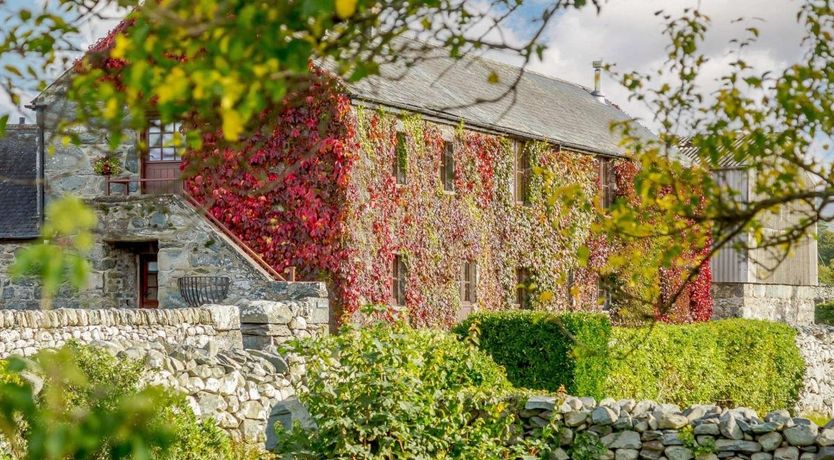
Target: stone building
{"type": "Point", "coordinates": [454, 220]}
{"type": "Point", "coordinates": [147, 236]}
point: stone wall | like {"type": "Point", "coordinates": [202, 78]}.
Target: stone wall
{"type": "Point", "coordinates": [774, 302]}
{"type": "Point", "coordinates": [187, 245]}
{"type": "Point", "coordinates": [304, 312]}
{"type": "Point", "coordinates": [628, 430]}
{"type": "Point", "coordinates": [25, 332]}
{"type": "Point", "coordinates": [816, 344]}
{"type": "Point", "coordinates": [24, 293]}
{"type": "Point", "coordinates": [237, 388]}
{"type": "Point", "coordinates": [199, 351]}
{"type": "Point", "coordinates": [824, 294]}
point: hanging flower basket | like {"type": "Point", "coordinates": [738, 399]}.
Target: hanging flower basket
{"type": "Point", "coordinates": [107, 165]}
{"type": "Point", "coordinates": [201, 290]}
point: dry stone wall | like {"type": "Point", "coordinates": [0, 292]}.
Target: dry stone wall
{"type": "Point", "coordinates": [816, 344]}
{"type": "Point", "coordinates": [25, 332]}
{"type": "Point", "coordinates": [199, 351]}
{"type": "Point", "coordinates": [237, 388]}
{"type": "Point", "coordinates": [628, 430]}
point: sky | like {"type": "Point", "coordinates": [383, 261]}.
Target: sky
{"type": "Point", "coordinates": [628, 34]}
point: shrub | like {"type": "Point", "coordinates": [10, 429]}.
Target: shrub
{"type": "Point", "coordinates": [543, 351]}
{"type": "Point", "coordinates": [390, 391]}
{"type": "Point", "coordinates": [733, 362]}
{"type": "Point", "coordinates": [824, 313]}
{"type": "Point", "coordinates": [92, 406]}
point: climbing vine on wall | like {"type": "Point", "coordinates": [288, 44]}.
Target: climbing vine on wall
{"type": "Point", "coordinates": [318, 192]}
{"type": "Point", "coordinates": [283, 192]}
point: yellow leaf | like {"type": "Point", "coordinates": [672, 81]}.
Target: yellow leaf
{"type": "Point", "coordinates": [232, 125]}
{"type": "Point", "coordinates": [345, 8]}
{"type": "Point", "coordinates": [121, 47]}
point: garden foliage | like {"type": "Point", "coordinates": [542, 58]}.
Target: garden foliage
{"type": "Point", "coordinates": [390, 391]}
{"type": "Point", "coordinates": [734, 362]}
{"type": "Point", "coordinates": [82, 402]}
{"type": "Point", "coordinates": [543, 351]}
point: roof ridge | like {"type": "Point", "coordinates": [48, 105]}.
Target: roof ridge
{"type": "Point", "coordinates": [491, 60]}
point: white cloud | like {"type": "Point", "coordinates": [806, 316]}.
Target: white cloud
{"type": "Point", "coordinates": [629, 35]}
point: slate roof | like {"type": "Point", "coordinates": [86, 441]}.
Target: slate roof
{"type": "Point", "coordinates": [544, 107]}
{"type": "Point", "coordinates": [18, 183]}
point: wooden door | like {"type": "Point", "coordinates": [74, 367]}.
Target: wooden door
{"type": "Point", "coordinates": [148, 281]}
{"type": "Point", "coordinates": [161, 161]}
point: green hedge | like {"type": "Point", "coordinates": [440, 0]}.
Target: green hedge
{"type": "Point", "coordinates": [734, 362]}
{"type": "Point", "coordinates": [542, 351]}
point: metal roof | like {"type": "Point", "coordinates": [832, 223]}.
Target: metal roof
{"type": "Point", "coordinates": [18, 183]}
{"type": "Point", "coordinates": [541, 107]}
{"type": "Point", "coordinates": [726, 160]}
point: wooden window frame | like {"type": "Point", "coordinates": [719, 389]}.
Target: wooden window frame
{"type": "Point", "coordinates": [399, 278]}
{"type": "Point", "coordinates": [608, 182]}
{"type": "Point", "coordinates": [468, 282]}
{"type": "Point", "coordinates": [447, 167]}
{"type": "Point", "coordinates": [400, 161]}
{"type": "Point", "coordinates": [521, 175]}
{"type": "Point", "coordinates": [522, 291]}
{"type": "Point", "coordinates": [144, 137]}
{"type": "Point", "coordinates": [144, 285]}
{"type": "Point", "coordinates": [605, 293]}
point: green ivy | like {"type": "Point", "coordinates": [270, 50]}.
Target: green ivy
{"type": "Point", "coordinates": [544, 351]}
{"type": "Point", "coordinates": [586, 446]}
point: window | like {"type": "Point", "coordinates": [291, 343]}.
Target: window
{"type": "Point", "coordinates": [522, 288]}
{"type": "Point", "coordinates": [468, 282]}
{"type": "Point", "coordinates": [605, 293]}
{"type": "Point", "coordinates": [400, 165]}
{"type": "Point", "coordinates": [521, 179]}
{"type": "Point", "coordinates": [159, 139]}
{"type": "Point", "coordinates": [608, 182]}
{"type": "Point", "coordinates": [569, 284]}
{"type": "Point", "coordinates": [447, 167]}
{"type": "Point", "coordinates": [399, 274]}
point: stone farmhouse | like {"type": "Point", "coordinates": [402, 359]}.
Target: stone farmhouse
{"type": "Point", "coordinates": [415, 195]}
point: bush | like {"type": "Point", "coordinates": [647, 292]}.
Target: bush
{"type": "Point", "coordinates": [733, 362]}
{"type": "Point", "coordinates": [543, 351]}
{"type": "Point", "coordinates": [824, 313]}
{"type": "Point", "coordinates": [91, 406]}
{"type": "Point", "coordinates": [390, 391]}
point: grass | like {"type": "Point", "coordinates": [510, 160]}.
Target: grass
{"type": "Point", "coordinates": [824, 313]}
{"type": "Point", "coordinates": [816, 417]}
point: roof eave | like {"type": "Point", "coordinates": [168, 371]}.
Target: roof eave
{"type": "Point", "coordinates": [444, 117]}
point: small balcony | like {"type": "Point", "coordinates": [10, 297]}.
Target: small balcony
{"type": "Point", "coordinates": [126, 186]}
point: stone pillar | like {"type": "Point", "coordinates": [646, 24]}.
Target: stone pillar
{"type": "Point", "coordinates": [226, 322]}
{"type": "Point", "coordinates": [266, 323]}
